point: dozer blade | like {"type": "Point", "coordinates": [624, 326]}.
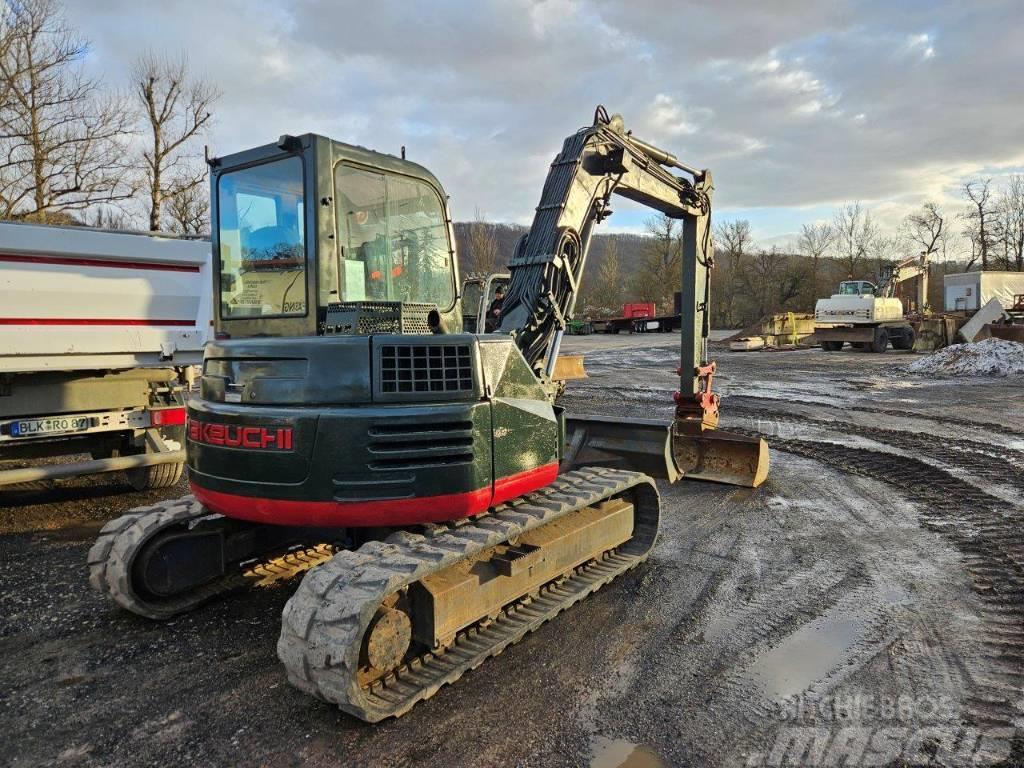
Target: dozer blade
{"type": "Point", "coordinates": [569, 368]}
{"type": "Point", "coordinates": [657, 449]}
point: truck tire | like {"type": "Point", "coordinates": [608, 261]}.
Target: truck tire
{"type": "Point", "coordinates": [831, 346]}
{"type": "Point", "coordinates": [881, 340]}
{"type": "Point", "coordinates": [157, 476]}
{"type": "Point", "coordinates": [905, 341]}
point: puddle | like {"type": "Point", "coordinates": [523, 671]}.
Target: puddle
{"type": "Point", "coordinates": [814, 651]}
{"type": "Point", "coordinates": [806, 656]}
{"type": "Point", "coordinates": [619, 753]}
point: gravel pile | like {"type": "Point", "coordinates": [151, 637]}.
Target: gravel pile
{"type": "Point", "coordinates": [991, 357]}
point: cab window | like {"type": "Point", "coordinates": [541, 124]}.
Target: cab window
{"type": "Point", "coordinates": [261, 230]}
{"type": "Point", "coordinates": [393, 239]}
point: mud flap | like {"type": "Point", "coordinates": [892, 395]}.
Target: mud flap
{"type": "Point", "coordinates": [657, 449]}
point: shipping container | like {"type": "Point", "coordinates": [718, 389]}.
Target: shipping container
{"type": "Point", "coordinates": [970, 291]}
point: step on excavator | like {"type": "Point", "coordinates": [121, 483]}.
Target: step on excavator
{"type": "Point", "coordinates": [442, 501]}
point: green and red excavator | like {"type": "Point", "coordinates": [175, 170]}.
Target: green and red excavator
{"type": "Point", "coordinates": [442, 501]}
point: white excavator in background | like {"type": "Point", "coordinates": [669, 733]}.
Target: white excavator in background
{"type": "Point", "coordinates": [868, 317]}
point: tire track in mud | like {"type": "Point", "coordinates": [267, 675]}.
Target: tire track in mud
{"type": "Point", "coordinates": [807, 632]}
{"type": "Point", "coordinates": [996, 464]}
{"type": "Point", "coordinates": [905, 414]}
{"type": "Point", "coordinates": [992, 545]}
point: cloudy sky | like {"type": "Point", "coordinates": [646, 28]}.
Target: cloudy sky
{"type": "Point", "coordinates": [795, 105]}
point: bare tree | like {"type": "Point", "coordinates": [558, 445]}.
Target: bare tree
{"type": "Point", "coordinates": [59, 138]}
{"type": "Point", "coordinates": [732, 242]}
{"type": "Point", "coordinates": [662, 261]}
{"type": "Point", "coordinates": [607, 293]}
{"type": "Point", "coordinates": [188, 211]}
{"type": "Point", "coordinates": [926, 228]}
{"type": "Point", "coordinates": [177, 109]}
{"type": "Point", "coordinates": [483, 245]}
{"type": "Point", "coordinates": [814, 241]}
{"type": "Point", "coordinates": [979, 217]}
{"type": "Point", "coordinates": [1010, 208]}
{"type": "Point", "coordinates": [854, 234]}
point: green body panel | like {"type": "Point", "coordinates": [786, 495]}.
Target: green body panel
{"type": "Point", "coordinates": [353, 441]}
{"type": "Point", "coordinates": [526, 433]}
{"type": "Point", "coordinates": [359, 453]}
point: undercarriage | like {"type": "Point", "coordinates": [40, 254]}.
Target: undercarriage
{"type": "Point", "coordinates": [379, 628]}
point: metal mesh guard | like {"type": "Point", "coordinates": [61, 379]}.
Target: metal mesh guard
{"type": "Point", "coordinates": [425, 368]}
{"type": "Point", "coordinates": [366, 317]}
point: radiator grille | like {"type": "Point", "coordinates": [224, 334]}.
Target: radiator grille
{"type": "Point", "coordinates": [419, 446]}
{"type": "Point", "coordinates": [426, 368]}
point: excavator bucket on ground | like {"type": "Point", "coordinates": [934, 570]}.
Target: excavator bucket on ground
{"type": "Point", "coordinates": [657, 448]}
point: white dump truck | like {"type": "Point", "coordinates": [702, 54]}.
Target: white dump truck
{"type": "Point", "coordinates": [869, 317]}
{"type": "Point", "coordinates": [99, 331]}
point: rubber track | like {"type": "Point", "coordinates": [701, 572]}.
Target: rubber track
{"type": "Point", "coordinates": [989, 536]}
{"type": "Point", "coordinates": [325, 620]}
{"type": "Point", "coordinates": [121, 539]}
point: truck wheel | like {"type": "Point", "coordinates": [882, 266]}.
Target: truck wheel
{"type": "Point", "coordinates": [831, 346]}
{"type": "Point", "coordinates": [906, 340]}
{"type": "Point", "coordinates": [158, 476]}
{"type": "Point", "coordinates": [881, 342]}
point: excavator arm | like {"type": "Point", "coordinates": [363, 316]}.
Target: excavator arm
{"type": "Point", "coordinates": [908, 269]}
{"type": "Point", "coordinates": [546, 272]}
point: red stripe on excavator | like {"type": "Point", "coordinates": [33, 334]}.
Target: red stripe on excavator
{"type": "Point", "coordinates": [388, 512]}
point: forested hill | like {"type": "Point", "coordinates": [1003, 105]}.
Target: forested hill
{"type": "Point", "coordinates": [747, 284]}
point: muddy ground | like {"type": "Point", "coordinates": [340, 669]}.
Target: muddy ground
{"type": "Point", "coordinates": [865, 606]}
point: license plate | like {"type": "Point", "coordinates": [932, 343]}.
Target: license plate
{"type": "Point", "coordinates": [49, 426]}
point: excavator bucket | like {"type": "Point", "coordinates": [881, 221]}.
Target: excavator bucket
{"type": "Point", "coordinates": [656, 448]}
{"type": "Point", "coordinates": [722, 457]}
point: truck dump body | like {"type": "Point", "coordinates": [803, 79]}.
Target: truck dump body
{"type": "Point", "coordinates": [97, 330]}
{"type": "Point", "coordinates": [80, 299]}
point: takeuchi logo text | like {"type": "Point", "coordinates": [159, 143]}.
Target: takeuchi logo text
{"type": "Point", "coordinates": [231, 436]}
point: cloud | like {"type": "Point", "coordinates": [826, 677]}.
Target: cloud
{"type": "Point", "coordinates": [793, 104]}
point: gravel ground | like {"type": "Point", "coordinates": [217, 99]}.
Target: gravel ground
{"type": "Point", "coordinates": [865, 606]}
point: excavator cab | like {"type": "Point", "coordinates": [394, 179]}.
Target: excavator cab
{"type": "Point", "coordinates": [309, 224]}
{"type": "Point", "coordinates": [857, 288]}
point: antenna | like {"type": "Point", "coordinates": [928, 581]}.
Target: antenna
{"type": "Point", "coordinates": [403, 151]}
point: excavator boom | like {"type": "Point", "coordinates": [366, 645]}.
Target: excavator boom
{"type": "Point", "coordinates": [546, 272]}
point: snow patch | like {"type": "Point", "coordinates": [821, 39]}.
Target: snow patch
{"type": "Point", "coordinates": [991, 357]}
